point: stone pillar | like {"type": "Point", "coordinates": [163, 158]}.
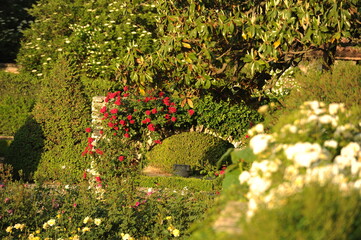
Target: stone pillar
{"type": "Point", "coordinates": [97, 103]}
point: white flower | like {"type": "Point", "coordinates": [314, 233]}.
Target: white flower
{"type": "Point", "coordinates": [351, 150]}
{"type": "Point", "coordinates": [330, 143]}
{"type": "Point", "coordinates": [334, 108]}
{"type": "Point", "coordinates": [258, 185]}
{"type": "Point", "coordinates": [327, 119]}
{"type": "Point", "coordinates": [344, 161]}
{"type": "Point", "coordinates": [259, 143]}
{"type": "Point", "coordinates": [304, 154]}
{"type": "Point", "coordinates": [244, 177]}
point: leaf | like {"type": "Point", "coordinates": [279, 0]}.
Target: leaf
{"type": "Point", "coordinates": [186, 45]}
{"type": "Point", "coordinates": [190, 103]}
{"type": "Point", "coordinates": [183, 103]}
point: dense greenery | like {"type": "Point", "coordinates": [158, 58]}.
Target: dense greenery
{"type": "Point", "coordinates": [63, 111]}
{"type": "Point", "coordinates": [185, 44]}
{"type": "Point", "coordinates": [17, 101]}
{"type": "Point", "coordinates": [200, 151]}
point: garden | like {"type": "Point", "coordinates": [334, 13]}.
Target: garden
{"type": "Point", "coordinates": [183, 119]}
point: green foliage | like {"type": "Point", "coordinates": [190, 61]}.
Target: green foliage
{"type": "Point", "coordinates": [315, 213]}
{"type": "Point", "coordinates": [185, 44]}
{"type": "Point", "coordinates": [200, 151]}
{"type": "Point", "coordinates": [179, 183]}
{"type": "Point", "coordinates": [342, 84]}
{"type": "Point", "coordinates": [63, 112]}
{"type": "Point", "coordinates": [17, 100]}
{"type": "Point", "coordinates": [25, 150]}
{"type": "Point", "coordinates": [231, 119]}
{"type": "Point", "coordinates": [4, 145]}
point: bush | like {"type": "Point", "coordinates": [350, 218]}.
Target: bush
{"type": "Point", "coordinates": [231, 121]}
{"type": "Point", "coordinates": [63, 112]}
{"type": "Point", "coordinates": [17, 93]}
{"type": "Point", "coordinates": [200, 151]}
{"type": "Point", "coordinates": [342, 84]}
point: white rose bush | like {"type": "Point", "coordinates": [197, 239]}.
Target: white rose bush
{"type": "Point", "coordinates": [317, 146]}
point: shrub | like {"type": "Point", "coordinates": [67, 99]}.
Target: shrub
{"type": "Point", "coordinates": [200, 151]}
{"type": "Point", "coordinates": [17, 93]}
{"type": "Point", "coordinates": [63, 112]}
{"type": "Point", "coordinates": [231, 121]}
{"type": "Point", "coordinates": [342, 84]}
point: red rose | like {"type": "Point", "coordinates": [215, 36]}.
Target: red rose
{"type": "Point", "coordinates": [90, 140]}
{"type": "Point", "coordinates": [147, 120]}
{"type": "Point", "coordinates": [154, 110]}
{"type": "Point", "coordinates": [103, 109]}
{"type": "Point", "coordinates": [167, 116]}
{"type": "Point", "coordinates": [115, 134]}
{"type": "Point", "coordinates": [148, 112]}
{"type": "Point", "coordinates": [116, 128]}
{"type": "Point", "coordinates": [161, 94]}
{"type": "Point", "coordinates": [122, 122]}
{"type": "Point", "coordinates": [190, 112]}
{"type": "Point", "coordinates": [151, 127]}
{"type": "Point", "coordinates": [131, 121]}
{"type": "Point", "coordinates": [126, 95]}
{"type": "Point", "coordinates": [173, 119]}
{"type": "Point", "coordinates": [121, 158]}
{"type": "Point", "coordinates": [114, 111]}
{"type": "Point", "coordinates": [100, 152]}
{"type": "Point", "coordinates": [126, 88]}
{"type": "Point", "coordinates": [88, 130]}
{"type": "Point", "coordinates": [172, 110]}
{"type": "Point", "coordinates": [158, 141]}
{"type": "Point", "coordinates": [129, 117]}
{"type": "Point", "coordinates": [84, 175]}
{"type": "Point", "coordinates": [126, 135]}
{"type": "Point", "coordinates": [110, 124]}
{"type": "Point", "coordinates": [166, 101]}
{"type": "Point", "coordinates": [117, 102]}
{"type": "Point", "coordinates": [98, 179]}
{"type": "Point", "coordinates": [101, 131]}
{"type": "Point", "coordinates": [247, 136]}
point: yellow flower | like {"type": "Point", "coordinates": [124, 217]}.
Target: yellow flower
{"type": "Point", "coordinates": [46, 225]}
{"type": "Point", "coordinates": [85, 229]}
{"type": "Point", "coordinates": [51, 222]}
{"type": "Point", "coordinates": [58, 216]}
{"type": "Point", "coordinates": [126, 237]}
{"type": "Point", "coordinates": [87, 219]}
{"type": "Point", "coordinates": [37, 231]}
{"type": "Point", "coordinates": [97, 221]}
{"type": "Point", "coordinates": [170, 228]}
{"type": "Point", "coordinates": [9, 229]}
{"type": "Point", "coordinates": [168, 218]}
{"type": "Point", "coordinates": [176, 233]}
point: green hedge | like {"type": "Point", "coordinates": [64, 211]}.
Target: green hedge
{"type": "Point", "coordinates": [180, 183]}
{"type": "Point", "coordinates": [200, 151]}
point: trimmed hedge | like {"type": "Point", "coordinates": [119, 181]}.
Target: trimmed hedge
{"type": "Point", "coordinates": [180, 183]}
{"type": "Point", "coordinates": [200, 151]}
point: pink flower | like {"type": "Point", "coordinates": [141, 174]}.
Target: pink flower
{"type": "Point", "coordinates": [151, 127]}
{"type": "Point", "coordinates": [88, 130]}
{"type": "Point", "coordinates": [114, 111]}
{"type": "Point", "coordinates": [190, 112]}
